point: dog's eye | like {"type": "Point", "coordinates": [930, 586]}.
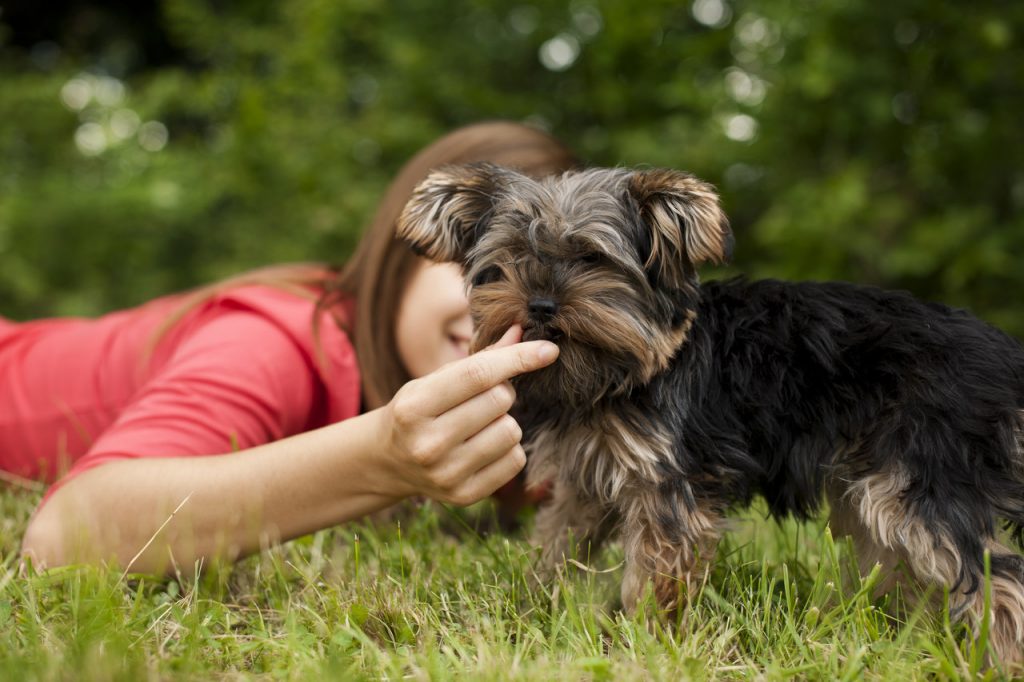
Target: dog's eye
{"type": "Point", "coordinates": [486, 276]}
{"type": "Point", "coordinates": [590, 259]}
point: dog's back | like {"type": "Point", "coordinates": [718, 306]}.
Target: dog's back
{"type": "Point", "coordinates": [836, 379]}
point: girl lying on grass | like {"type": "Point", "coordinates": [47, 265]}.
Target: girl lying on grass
{"type": "Point", "coordinates": [270, 405]}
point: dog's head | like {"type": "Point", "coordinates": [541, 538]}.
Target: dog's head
{"type": "Point", "coordinates": [603, 262]}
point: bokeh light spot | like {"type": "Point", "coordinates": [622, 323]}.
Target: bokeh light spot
{"type": "Point", "coordinates": [523, 19]}
{"type": "Point", "coordinates": [744, 87]}
{"type": "Point", "coordinates": [153, 136]}
{"type": "Point", "coordinates": [712, 13]}
{"type": "Point", "coordinates": [109, 91]}
{"type": "Point", "coordinates": [91, 139]}
{"type": "Point", "coordinates": [905, 32]}
{"type": "Point", "coordinates": [586, 18]}
{"type": "Point", "coordinates": [366, 150]}
{"type": "Point", "coordinates": [742, 175]}
{"type": "Point", "coordinates": [124, 123]}
{"type": "Point", "coordinates": [363, 88]}
{"type": "Point", "coordinates": [740, 127]}
{"type": "Point", "coordinates": [559, 53]}
{"type": "Point", "coordinates": [904, 107]}
{"type": "Point", "coordinates": [165, 194]}
{"type": "Point", "coordinates": [76, 93]}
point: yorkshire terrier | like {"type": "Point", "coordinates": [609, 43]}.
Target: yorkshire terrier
{"type": "Point", "coordinates": [673, 401]}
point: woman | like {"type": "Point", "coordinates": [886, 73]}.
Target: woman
{"type": "Point", "coordinates": [337, 395]}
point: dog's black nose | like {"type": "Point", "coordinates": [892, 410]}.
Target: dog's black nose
{"type": "Point", "coordinates": [542, 308]}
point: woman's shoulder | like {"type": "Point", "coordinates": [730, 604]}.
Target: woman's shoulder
{"type": "Point", "coordinates": [317, 332]}
{"type": "Point", "coordinates": [294, 310]}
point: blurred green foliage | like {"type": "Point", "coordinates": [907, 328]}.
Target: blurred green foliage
{"type": "Point", "coordinates": [875, 142]}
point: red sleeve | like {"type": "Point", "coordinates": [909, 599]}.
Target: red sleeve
{"type": "Point", "coordinates": [238, 381]}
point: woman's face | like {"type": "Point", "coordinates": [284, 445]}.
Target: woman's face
{"type": "Point", "coordinates": [433, 326]}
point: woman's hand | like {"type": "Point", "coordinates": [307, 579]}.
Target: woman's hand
{"type": "Point", "coordinates": [449, 436]}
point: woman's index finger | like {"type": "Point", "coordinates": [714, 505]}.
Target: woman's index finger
{"type": "Point", "coordinates": [456, 383]}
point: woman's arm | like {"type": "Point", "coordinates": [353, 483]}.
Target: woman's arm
{"type": "Point", "coordinates": [447, 436]}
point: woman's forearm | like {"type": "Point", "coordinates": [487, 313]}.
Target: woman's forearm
{"type": "Point", "coordinates": [224, 506]}
{"type": "Point", "coordinates": [447, 435]}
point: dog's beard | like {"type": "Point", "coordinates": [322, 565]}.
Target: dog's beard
{"type": "Point", "coordinates": [603, 352]}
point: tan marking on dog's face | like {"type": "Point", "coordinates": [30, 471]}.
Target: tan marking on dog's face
{"type": "Point", "coordinates": [669, 344]}
{"type": "Point", "coordinates": [609, 343]}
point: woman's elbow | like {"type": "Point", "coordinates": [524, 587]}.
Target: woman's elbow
{"type": "Point", "coordinates": [43, 543]}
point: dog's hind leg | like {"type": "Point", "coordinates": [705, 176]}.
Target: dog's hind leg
{"type": "Point", "coordinates": [845, 520]}
{"type": "Point", "coordinates": [669, 542]}
{"type": "Point", "coordinates": [886, 514]}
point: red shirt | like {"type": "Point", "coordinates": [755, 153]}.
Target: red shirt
{"type": "Point", "coordinates": [240, 370]}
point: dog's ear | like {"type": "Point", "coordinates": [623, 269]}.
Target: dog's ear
{"type": "Point", "coordinates": [449, 210]}
{"type": "Point", "coordinates": [684, 222]}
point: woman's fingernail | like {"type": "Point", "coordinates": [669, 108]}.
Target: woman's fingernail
{"type": "Point", "coordinates": [547, 352]}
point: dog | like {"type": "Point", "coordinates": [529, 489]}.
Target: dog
{"type": "Point", "coordinates": [673, 401]}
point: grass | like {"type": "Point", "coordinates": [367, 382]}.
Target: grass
{"type": "Point", "coordinates": [436, 597]}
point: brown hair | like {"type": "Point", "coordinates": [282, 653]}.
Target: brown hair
{"type": "Point", "coordinates": [377, 273]}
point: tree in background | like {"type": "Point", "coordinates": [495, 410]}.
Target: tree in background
{"type": "Point", "coordinates": [146, 150]}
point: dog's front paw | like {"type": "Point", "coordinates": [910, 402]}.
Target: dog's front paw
{"type": "Point", "coordinates": [668, 594]}
{"type": "Point", "coordinates": [552, 553]}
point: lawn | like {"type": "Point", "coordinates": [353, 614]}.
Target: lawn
{"type": "Point", "coordinates": [437, 595]}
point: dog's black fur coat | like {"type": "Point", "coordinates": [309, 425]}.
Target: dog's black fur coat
{"type": "Point", "coordinates": [784, 385]}
{"type": "Point", "coordinates": [777, 378]}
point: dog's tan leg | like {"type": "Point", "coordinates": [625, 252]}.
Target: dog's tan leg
{"type": "Point", "coordinates": [874, 511]}
{"type": "Point", "coordinates": [669, 544]}
{"type": "Point", "coordinates": [844, 520]}
{"type": "Point", "coordinates": [568, 527]}
{"type": "Point", "coordinates": [1006, 609]}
